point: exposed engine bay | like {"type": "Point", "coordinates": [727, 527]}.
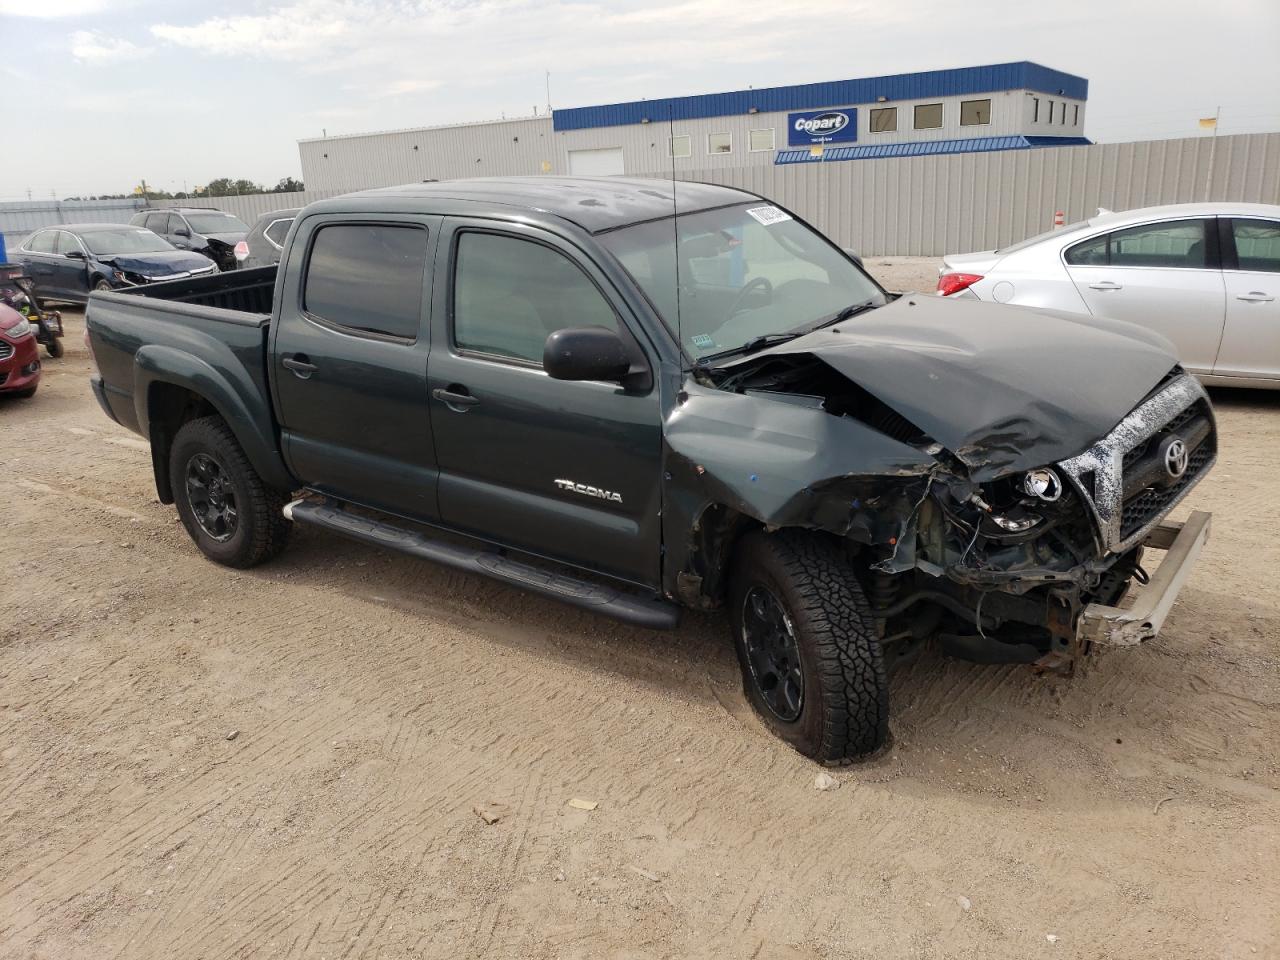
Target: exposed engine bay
{"type": "Point", "coordinates": [968, 536]}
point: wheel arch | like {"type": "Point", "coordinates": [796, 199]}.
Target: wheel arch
{"type": "Point", "coordinates": [172, 388]}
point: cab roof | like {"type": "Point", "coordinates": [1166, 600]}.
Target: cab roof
{"type": "Point", "coordinates": [596, 204]}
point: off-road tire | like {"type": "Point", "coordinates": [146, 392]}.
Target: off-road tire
{"type": "Point", "coordinates": [844, 713]}
{"type": "Point", "coordinates": [261, 529]}
{"type": "Point", "coordinates": [54, 347]}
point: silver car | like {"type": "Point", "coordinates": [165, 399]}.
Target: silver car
{"type": "Point", "coordinates": [1205, 275]}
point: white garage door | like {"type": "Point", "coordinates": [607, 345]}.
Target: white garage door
{"type": "Point", "coordinates": [606, 162]}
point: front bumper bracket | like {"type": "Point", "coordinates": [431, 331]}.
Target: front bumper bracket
{"type": "Point", "coordinates": [1142, 620]}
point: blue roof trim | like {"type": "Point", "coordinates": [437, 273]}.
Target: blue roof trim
{"type": "Point", "coordinates": [1023, 75]}
{"type": "Point", "coordinates": [927, 148]}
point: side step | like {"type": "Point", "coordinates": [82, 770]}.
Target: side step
{"type": "Point", "coordinates": [599, 598]}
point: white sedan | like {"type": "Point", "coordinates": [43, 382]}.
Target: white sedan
{"type": "Point", "coordinates": [1205, 275]}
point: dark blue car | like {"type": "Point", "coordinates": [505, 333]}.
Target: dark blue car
{"type": "Point", "coordinates": [69, 261]}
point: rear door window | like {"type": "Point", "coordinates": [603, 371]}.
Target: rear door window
{"type": "Point", "coordinates": [367, 278]}
{"type": "Point", "coordinates": [1257, 245]}
{"type": "Point", "coordinates": [44, 242]}
{"type": "Point", "coordinates": [510, 294]}
{"type": "Point", "coordinates": [277, 231]}
{"type": "Point", "coordinates": [1172, 244]}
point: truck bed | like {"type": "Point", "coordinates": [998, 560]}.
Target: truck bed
{"type": "Point", "coordinates": [248, 291]}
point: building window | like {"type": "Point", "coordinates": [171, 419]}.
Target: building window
{"type": "Point", "coordinates": [760, 141]}
{"type": "Point", "coordinates": [974, 113]}
{"type": "Point", "coordinates": [884, 120]}
{"type": "Point", "coordinates": [1035, 109]}
{"type": "Point", "coordinates": [1049, 118]}
{"type": "Point", "coordinates": [1076, 121]}
{"type": "Point", "coordinates": [928, 116]}
{"type": "Point", "coordinates": [681, 146]}
{"type": "Point", "coordinates": [719, 143]}
{"type": "Point", "coordinates": [1064, 113]}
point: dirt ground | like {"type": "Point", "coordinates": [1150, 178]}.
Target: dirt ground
{"type": "Point", "coordinates": [286, 762]}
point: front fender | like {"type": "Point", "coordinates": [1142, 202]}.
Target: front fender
{"type": "Point", "coordinates": [236, 398]}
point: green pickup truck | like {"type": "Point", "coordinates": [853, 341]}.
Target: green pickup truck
{"type": "Point", "coordinates": [636, 396]}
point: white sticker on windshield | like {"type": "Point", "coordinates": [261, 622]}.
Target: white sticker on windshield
{"type": "Point", "coordinates": [769, 215]}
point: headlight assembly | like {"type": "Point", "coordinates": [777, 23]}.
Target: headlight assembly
{"type": "Point", "coordinates": [18, 330]}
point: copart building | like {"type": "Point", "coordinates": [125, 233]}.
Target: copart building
{"type": "Point", "coordinates": [1007, 106]}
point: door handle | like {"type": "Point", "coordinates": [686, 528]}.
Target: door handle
{"type": "Point", "coordinates": [456, 397]}
{"type": "Point", "coordinates": [1255, 296]}
{"type": "Point", "coordinates": [302, 367]}
{"type": "Point", "coordinates": [1106, 285]}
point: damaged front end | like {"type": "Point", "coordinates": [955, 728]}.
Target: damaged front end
{"type": "Point", "coordinates": [956, 527]}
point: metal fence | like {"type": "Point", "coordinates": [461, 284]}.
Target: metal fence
{"type": "Point", "coordinates": [917, 206]}
{"type": "Point", "coordinates": [250, 206]}
{"type": "Point", "coordinates": [929, 206]}
{"type": "Point", "coordinates": [20, 218]}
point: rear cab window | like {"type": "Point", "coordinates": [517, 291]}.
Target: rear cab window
{"type": "Point", "coordinates": [367, 278]}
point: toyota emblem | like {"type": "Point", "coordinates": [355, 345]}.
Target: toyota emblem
{"type": "Point", "coordinates": [1175, 459]}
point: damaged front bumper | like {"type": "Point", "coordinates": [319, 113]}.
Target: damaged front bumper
{"type": "Point", "coordinates": [1141, 620]}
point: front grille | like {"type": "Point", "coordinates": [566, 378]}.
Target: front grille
{"type": "Point", "coordinates": [1122, 476]}
{"type": "Point", "coordinates": [1153, 502]}
{"type": "Point", "coordinates": [6, 349]}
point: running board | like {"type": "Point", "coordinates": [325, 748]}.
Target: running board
{"type": "Point", "coordinates": [599, 598]}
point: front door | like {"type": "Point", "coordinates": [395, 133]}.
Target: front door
{"type": "Point", "coordinates": [71, 269]}
{"type": "Point", "coordinates": [349, 360]}
{"type": "Point", "coordinates": [1164, 276]}
{"type": "Point", "coordinates": [567, 470]}
{"type": "Point", "coordinates": [1251, 340]}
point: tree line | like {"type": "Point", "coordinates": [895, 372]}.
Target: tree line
{"type": "Point", "coordinates": [220, 187]}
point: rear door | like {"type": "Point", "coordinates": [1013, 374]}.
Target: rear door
{"type": "Point", "coordinates": [349, 360]}
{"type": "Point", "coordinates": [1163, 275]}
{"type": "Point", "coordinates": [39, 254]}
{"type": "Point", "coordinates": [567, 470]}
{"type": "Point", "coordinates": [1251, 271]}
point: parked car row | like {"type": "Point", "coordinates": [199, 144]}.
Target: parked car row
{"type": "Point", "coordinates": [1204, 275]}
{"type": "Point", "coordinates": [69, 261]}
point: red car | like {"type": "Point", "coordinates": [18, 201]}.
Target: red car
{"type": "Point", "coordinates": [19, 361]}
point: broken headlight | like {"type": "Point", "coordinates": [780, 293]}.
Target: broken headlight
{"type": "Point", "coordinates": [1043, 484]}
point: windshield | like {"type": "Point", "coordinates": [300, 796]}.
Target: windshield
{"type": "Point", "coordinates": [207, 223]}
{"type": "Point", "coordinates": [745, 271]}
{"type": "Point", "coordinates": [109, 243]}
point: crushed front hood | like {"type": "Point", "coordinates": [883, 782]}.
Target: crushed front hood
{"type": "Point", "coordinates": [158, 264]}
{"type": "Point", "coordinates": [1003, 388]}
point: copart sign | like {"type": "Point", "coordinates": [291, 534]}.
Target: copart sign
{"type": "Point", "coordinates": [822, 126]}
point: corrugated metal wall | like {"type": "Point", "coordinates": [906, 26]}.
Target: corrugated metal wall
{"type": "Point", "coordinates": [929, 206]}
{"type": "Point", "coordinates": [252, 205]}
{"type": "Point", "coordinates": [19, 219]}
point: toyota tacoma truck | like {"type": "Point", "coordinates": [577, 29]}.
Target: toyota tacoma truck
{"type": "Point", "coordinates": [637, 396]}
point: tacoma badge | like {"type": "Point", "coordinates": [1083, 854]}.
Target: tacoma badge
{"type": "Point", "coordinates": [589, 491]}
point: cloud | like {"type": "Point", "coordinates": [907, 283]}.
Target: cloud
{"type": "Point", "coordinates": [299, 31]}
{"type": "Point", "coordinates": [51, 9]}
{"type": "Point", "coordinates": [94, 48]}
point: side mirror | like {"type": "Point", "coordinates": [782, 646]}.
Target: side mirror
{"type": "Point", "coordinates": [182, 232]}
{"type": "Point", "coordinates": [586, 353]}
{"type": "Point", "coordinates": [75, 255]}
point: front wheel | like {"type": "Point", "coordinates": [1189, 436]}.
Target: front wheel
{"type": "Point", "coordinates": [54, 346]}
{"type": "Point", "coordinates": [806, 641]}
{"type": "Point", "coordinates": [232, 516]}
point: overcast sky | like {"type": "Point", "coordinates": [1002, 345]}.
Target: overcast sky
{"type": "Point", "coordinates": [100, 94]}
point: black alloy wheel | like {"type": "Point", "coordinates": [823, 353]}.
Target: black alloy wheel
{"type": "Point", "coordinates": [212, 497]}
{"type": "Point", "coordinates": [773, 654]}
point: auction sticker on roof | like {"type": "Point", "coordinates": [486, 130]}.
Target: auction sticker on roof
{"type": "Point", "coordinates": [769, 215]}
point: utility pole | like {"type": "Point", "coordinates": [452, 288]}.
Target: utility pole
{"type": "Point", "coordinates": [1213, 149]}
{"type": "Point", "coordinates": [548, 93]}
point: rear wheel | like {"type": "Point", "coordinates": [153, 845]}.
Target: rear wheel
{"type": "Point", "coordinates": [806, 641]}
{"type": "Point", "coordinates": [232, 516]}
